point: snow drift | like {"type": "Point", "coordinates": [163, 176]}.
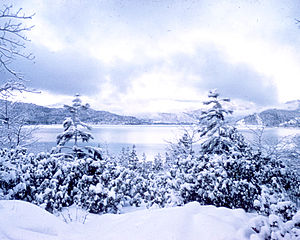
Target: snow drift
{"type": "Point", "coordinates": [21, 221]}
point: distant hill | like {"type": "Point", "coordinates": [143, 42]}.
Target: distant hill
{"type": "Point", "coordinates": [290, 105]}
{"type": "Point", "coordinates": [168, 118]}
{"type": "Point", "coordinates": [35, 114]}
{"type": "Point", "coordinates": [190, 116]}
{"type": "Point", "coordinates": [295, 122]}
{"type": "Point", "coordinates": [287, 116]}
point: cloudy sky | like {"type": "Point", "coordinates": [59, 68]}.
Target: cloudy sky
{"type": "Point", "coordinates": [136, 56]}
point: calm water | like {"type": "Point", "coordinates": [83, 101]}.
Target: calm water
{"type": "Point", "coordinates": [148, 139]}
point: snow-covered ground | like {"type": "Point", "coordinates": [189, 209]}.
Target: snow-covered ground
{"type": "Point", "coordinates": [24, 221]}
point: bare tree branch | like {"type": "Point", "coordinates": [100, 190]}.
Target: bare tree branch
{"type": "Point", "coordinates": [12, 38]}
{"type": "Point", "coordinates": [14, 129]}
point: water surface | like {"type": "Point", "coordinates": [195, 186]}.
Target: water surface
{"type": "Point", "coordinates": [148, 139]}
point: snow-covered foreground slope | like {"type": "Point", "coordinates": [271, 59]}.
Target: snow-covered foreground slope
{"type": "Point", "coordinates": [21, 220]}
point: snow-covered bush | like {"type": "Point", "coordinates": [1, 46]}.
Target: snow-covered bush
{"type": "Point", "coordinates": [15, 170]}
{"type": "Point", "coordinates": [95, 192]}
{"type": "Point", "coordinates": [39, 179]}
{"type": "Point", "coordinates": [95, 183]}
{"type": "Point", "coordinates": [184, 146]}
{"type": "Point", "coordinates": [274, 202]}
{"type": "Point", "coordinates": [233, 181]}
{"type": "Point", "coordinates": [275, 228]}
{"type": "Point", "coordinates": [213, 180]}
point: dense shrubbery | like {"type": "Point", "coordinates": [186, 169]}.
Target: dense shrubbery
{"type": "Point", "coordinates": [103, 185]}
{"type": "Point", "coordinates": [95, 184]}
{"type": "Point", "coordinates": [276, 226]}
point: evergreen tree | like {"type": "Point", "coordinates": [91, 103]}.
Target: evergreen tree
{"type": "Point", "coordinates": [133, 161]}
{"type": "Point", "coordinates": [157, 165]}
{"type": "Point", "coordinates": [144, 157]}
{"type": "Point", "coordinates": [182, 149]}
{"type": "Point", "coordinates": [72, 124]}
{"type": "Point", "coordinates": [218, 137]}
{"type": "Point", "coordinates": [124, 156]}
{"type": "Point", "coordinates": [74, 130]}
{"type": "Point", "coordinates": [168, 161]}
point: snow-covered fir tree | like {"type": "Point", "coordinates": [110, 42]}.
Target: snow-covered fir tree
{"type": "Point", "coordinates": [218, 137]}
{"type": "Point", "coordinates": [157, 164]}
{"type": "Point", "coordinates": [124, 156]}
{"type": "Point", "coordinates": [133, 160]}
{"type": "Point", "coordinates": [183, 148]}
{"type": "Point", "coordinates": [73, 126]}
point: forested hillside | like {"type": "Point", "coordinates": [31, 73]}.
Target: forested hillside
{"type": "Point", "coordinates": [273, 118]}
{"type": "Point", "coordinates": [35, 114]}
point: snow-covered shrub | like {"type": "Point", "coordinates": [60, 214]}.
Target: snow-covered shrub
{"type": "Point", "coordinates": [160, 191]}
{"type": "Point", "coordinates": [15, 169]}
{"type": "Point", "coordinates": [102, 185]}
{"type": "Point", "coordinates": [55, 190]}
{"type": "Point", "coordinates": [281, 180]}
{"type": "Point", "coordinates": [183, 148]}
{"type": "Point", "coordinates": [275, 228]}
{"type": "Point", "coordinates": [95, 183]}
{"type": "Point", "coordinates": [232, 180]}
{"type": "Point", "coordinates": [157, 164]}
{"type": "Point", "coordinates": [274, 202]}
{"type": "Point", "coordinates": [217, 180]}
{"type": "Point", "coordinates": [94, 187]}
{"type": "Point", "coordinates": [38, 179]}
{"type": "Point", "coordinates": [123, 157]}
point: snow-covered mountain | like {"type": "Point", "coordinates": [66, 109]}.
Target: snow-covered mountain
{"type": "Point", "coordinates": [290, 105]}
{"type": "Point", "coordinates": [287, 114]}
{"type": "Point", "coordinates": [288, 117]}
{"type": "Point", "coordinates": [239, 108]}
{"type": "Point", "coordinates": [35, 114]}
{"type": "Point", "coordinates": [168, 118]}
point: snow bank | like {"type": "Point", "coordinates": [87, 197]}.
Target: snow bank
{"type": "Point", "coordinates": [21, 220]}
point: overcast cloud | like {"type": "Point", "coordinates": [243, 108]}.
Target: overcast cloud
{"type": "Point", "coordinates": [153, 56]}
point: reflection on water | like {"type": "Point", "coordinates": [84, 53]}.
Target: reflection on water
{"type": "Point", "coordinates": [149, 139]}
{"type": "Point", "coordinates": [271, 135]}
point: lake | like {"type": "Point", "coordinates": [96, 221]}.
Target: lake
{"type": "Point", "coordinates": [148, 139]}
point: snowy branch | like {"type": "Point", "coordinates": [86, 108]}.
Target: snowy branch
{"type": "Point", "coordinates": [12, 38]}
